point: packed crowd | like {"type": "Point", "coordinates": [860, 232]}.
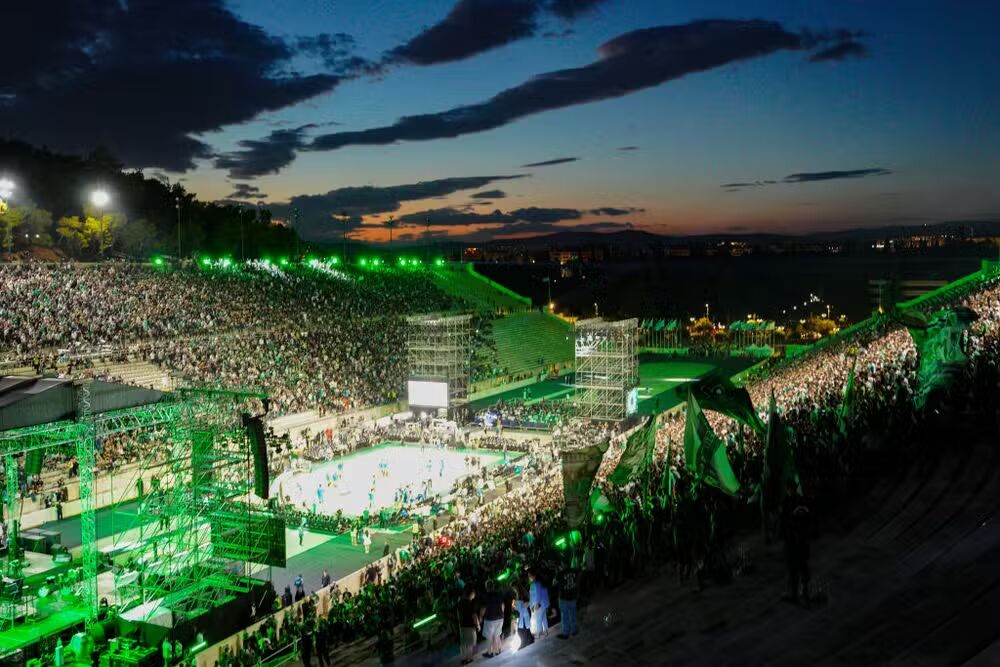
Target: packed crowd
{"type": "Point", "coordinates": [663, 514]}
{"type": "Point", "coordinates": [313, 337]}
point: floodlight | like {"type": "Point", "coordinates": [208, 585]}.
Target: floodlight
{"type": "Point", "coordinates": [100, 198]}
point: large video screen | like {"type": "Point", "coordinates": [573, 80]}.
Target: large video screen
{"type": "Point", "coordinates": [426, 394]}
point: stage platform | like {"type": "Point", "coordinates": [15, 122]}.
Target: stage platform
{"type": "Point", "coordinates": [26, 634]}
{"type": "Point", "coordinates": [660, 377]}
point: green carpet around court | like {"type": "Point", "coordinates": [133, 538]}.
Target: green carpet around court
{"type": "Point", "coordinates": [659, 378]}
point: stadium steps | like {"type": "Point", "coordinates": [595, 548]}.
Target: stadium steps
{"type": "Point", "coordinates": [458, 282]}
{"type": "Point", "coordinates": [522, 339]}
{"type": "Point", "coordinates": [141, 373]}
{"type": "Point", "coordinates": [915, 581]}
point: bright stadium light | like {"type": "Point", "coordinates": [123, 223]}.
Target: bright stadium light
{"type": "Point", "coordinates": [7, 188]}
{"type": "Point", "coordinates": [100, 198]}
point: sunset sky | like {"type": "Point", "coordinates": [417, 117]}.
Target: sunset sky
{"type": "Point", "coordinates": [673, 117]}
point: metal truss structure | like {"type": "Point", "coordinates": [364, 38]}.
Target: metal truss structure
{"type": "Point", "coordinates": [439, 348]}
{"type": "Point", "coordinates": [189, 544]}
{"type": "Point", "coordinates": [184, 523]}
{"type": "Point", "coordinates": [607, 368]}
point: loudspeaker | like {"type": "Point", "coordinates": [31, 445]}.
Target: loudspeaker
{"type": "Point", "coordinates": [33, 462]}
{"type": "Point", "coordinates": [261, 475]}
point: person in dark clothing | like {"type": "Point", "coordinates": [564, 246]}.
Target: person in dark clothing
{"type": "Point", "coordinates": [468, 624]}
{"type": "Point", "coordinates": [306, 646]}
{"type": "Point", "coordinates": [491, 613]}
{"type": "Point", "coordinates": [286, 597]}
{"type": "Point", "coordinates": [322, 644]}
{"type": "Point", "coordinates": [795, 528]}
{"type": "Point", "coordinates": [569, 590]}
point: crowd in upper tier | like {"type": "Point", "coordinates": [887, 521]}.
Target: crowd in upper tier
{"type": "Point", "coordinates": [315, 337]}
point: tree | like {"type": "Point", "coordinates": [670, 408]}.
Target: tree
{"type": "Point", "coordinates": [35, 228]}
{"type": "Point", "coordinates": [137, 237]}
{"type": "Point", "coordinates": [70, 232]}
{"type": "Point", "coordinates": [10, 218]}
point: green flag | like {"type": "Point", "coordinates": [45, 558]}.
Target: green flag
{"type": "Point", "coordinates": [578, 469]}
{"type": "Point", "coordinates": [715, 391]}
{"type": "Point", "coordinates": [637, 455]}
{"type": "Point", "coordinates": [846, 411]}
{"type": "Point", "coordinates": [705, 453]}
{"type": "Point", "coordinates": [939, 344]}
{"type": "Point", "coordinates": [779, 461]}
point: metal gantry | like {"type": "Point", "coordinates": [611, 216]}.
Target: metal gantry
{"type": "Point", "coordinates": [184, 523]}
{"type": "Point", "coordinates": [607, 367]}
{"type": "Point", "coordinates": [439, 348]}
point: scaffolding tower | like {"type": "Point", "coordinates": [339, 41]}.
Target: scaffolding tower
{"type": "Point", "coordinates": [607, 368]}
{"type": "Point", "coordinates": [439, 349]}
{"type": "Point", "coordinates": [189, 544]}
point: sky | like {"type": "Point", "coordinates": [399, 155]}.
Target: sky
{"type": "Point", "coordinates": [484, 119]}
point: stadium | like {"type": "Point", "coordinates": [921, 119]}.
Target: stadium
{"type": "Point", "coordinates": [191, 474]}
{"type": "Point", "coordinates": [499, 332]}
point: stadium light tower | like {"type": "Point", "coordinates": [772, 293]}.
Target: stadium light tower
{"type": "Point", "coordinates": [6, 192]}
{"type": "Point", "coordinates": [100, 198]}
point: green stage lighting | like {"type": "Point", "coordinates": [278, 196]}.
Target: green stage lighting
{"type": "Point", "coordinates": [561, 542]}
{"type": "Point", "coordinates": [377, 261]}
{"type": "Point", "coordinates": [266, 262]}
{"type": "Point", "coordinates": [438, 262]}
{"type": "Point", "coordinates": [363, 262]}
{"type": "Point", "coordinates": [283, 261]}
{"type": "Point", "coordinates": [158, 261]}
{"type": "Point", "coordinates": [335, 260]}
{"type": "Point", "coordinates": [402, 261]}
{"type": "Point", "coordinates": [226, 262]}
{"type": "Point", "coordinates": [424, 621]}
{"type": "Point", "coordinates": [206, 261]}
{"type": "Point", "coordinates": [313, 262]}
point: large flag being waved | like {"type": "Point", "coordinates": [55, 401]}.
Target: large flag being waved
{"type": "Point", "coordinates": [637, 455]}
{"type": "Point", "coordinates": [939, 342]}
{"type": "Point", "coordinates": [578, 469]}
{"type": "Point", "coordinates": [715, 391]}
{"type": "Point", "coordinates": [779, 461]}
{"type": "Point", "coordinates": [705, 453]}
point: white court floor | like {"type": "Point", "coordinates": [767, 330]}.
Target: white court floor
{"type": "Point", "coordinates": [408, 465]}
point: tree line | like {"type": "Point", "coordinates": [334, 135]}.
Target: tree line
{"type": "Point", "coordinates": [49, 206]}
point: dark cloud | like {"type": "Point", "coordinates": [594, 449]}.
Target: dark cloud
{"type": "Point", "coordinates": [840, 51]}
{"type": "Point", "coordinates": [810, 177]}
{"type": "Point", "coordinates": [633, 61]}
{"type": "Point", "coordinates": [316, 212]}
{"type": "Point", "coordinates": [246, 191]}
{"type": "Point", "coordinates": [614, 212]}
{"type": "Point", "coordinates": [489, 194]}
{"type": "Point", "coordinates": [549, 163]}
{"type": "Point", "coordinates": [570, 9]}
{"type": "Point", "coordinates": [471, 27]}
{"type": "Point", "coordinates": [628, 148]}
{"type": "Point", "coordinates": [140, 78]}
{"type": "Point", "coordinates": [476, 26]}
{"type": "Point", "coordinates": [263, 156]}
{"type": "Point", "coordinates": [518, 217]}
{"type": "Point", "coordinates": [337, 53]}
